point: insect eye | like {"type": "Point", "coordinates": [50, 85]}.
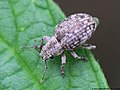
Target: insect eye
{"type": "Point", "coordinates": [51, 57]}
{"type": "Point", "coordinates": [93, 25]}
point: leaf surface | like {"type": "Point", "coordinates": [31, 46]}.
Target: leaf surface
{"type": "Point", "coordinates": [22, 22]}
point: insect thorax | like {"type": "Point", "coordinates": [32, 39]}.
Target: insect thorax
{"type": "Point", "coordinates": [51, 48]}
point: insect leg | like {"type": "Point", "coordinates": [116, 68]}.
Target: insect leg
{"type": "Point", "coordinates": [46, 67]}
{"type": "Point", "coordinates": [63, 58]}
{"type": "Point", "coordinates": [78, 57]}
{"type": "Point", "coordinates": [38, 47]}
{"type": "Point", "coordinates": [88, 46]}
{"type": "Point", "coordinates": [46, 38]}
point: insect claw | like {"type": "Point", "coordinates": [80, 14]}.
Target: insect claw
{"type": "Point", "coordinates": [81, 58]}
{"type": "Point", "coordinates": [84, 59]}
{"type": "Point", "coordinates": [78, 58]}
{"type": "Point", "coordinates": [41, 81]}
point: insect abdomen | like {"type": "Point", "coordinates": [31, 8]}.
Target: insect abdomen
{"type": "Point", "coordinates": [70, 42]}
{"type": "Point", "coordinates": [75, 38]}
{"type": "Point", "coordinates": [75, 30]}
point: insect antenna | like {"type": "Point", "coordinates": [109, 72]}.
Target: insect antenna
{"type": "Point", "coordinates": [46, 67]}
{"type": "Point", "coordinates": [36, 47]}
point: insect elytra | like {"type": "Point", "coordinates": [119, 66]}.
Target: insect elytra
{"type": "Point", "coordinates": [71, 33]}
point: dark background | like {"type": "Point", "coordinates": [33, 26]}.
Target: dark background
{"type": "Point", "coordinates": [107, 36]}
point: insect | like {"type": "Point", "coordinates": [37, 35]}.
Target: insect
{"type": "Point", "coordinates": [71, 33]}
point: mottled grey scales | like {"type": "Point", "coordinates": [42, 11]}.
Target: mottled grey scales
{"type": "Point", "coordinates": [75, 30]}
{"type": "Point", "coordinates": [70, 33]}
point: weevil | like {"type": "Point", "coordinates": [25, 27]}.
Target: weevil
{"type": "Point", "coordinates": [71, 33]}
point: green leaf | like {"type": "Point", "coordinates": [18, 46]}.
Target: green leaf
{"type": "Point", "coordinates": [22, 22]}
